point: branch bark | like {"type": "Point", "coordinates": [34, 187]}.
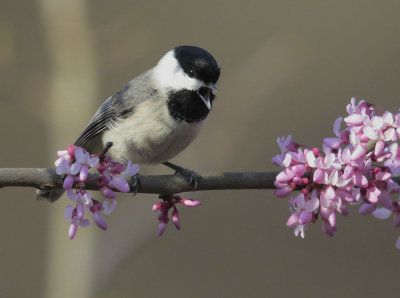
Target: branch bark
{"type": "Point", "coordinates": [43, 178]}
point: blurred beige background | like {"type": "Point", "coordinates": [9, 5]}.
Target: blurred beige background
{"type": "Point", "coordinates": [287, 67]}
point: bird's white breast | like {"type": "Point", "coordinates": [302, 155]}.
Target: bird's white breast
{"type": "Point", "coordinates": [150, 135]}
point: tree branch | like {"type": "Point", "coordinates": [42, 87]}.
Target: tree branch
{"type": "Point", "coordinates": [158, 184]}
{"type": "Point", "coordinates": [43, 178]}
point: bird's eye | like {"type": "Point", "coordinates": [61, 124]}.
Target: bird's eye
{"type": "Point", "coordinates": [191, 73]}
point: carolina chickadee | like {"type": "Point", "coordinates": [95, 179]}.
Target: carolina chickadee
{"type": "Point", "coordinates": [157, 114]}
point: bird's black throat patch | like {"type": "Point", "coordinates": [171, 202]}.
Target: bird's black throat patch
{"type": "Point", "coordinates": [187, 105]}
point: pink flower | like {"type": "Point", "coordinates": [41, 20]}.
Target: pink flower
{"type": "Point", "coordinates": [113, 176]}
{"type": "Point", "coordinates": [97, 209]}
{"type": "Point", "coordinates": [342, 137]}
{"type": "Point", "coordinates": [164, 207]}
{"type": "Point", "coordinates": [329, 204]}
{"type": "Point", "coordinates": [285, 146]}
{"type": "Point", "coordinates": [394, 161]}
{"type": "Point", "coordinates": [75, 217]}
{"type": "Point", "coordinates": [303, 212]}
{"type": "Point", "coordinates": [130, 169]}
{"type": "Point", "coordinates": [357, 165]}
{"type": "Point", "coordinates": [75, 160]}
{"type": "Point", "coordinates": [81, 197]}
{"type": "Point", "coordinates": [84, 162]}
{"type": "Point", "coordinates": [65, 168]}
{"type": "Point", "coordinates": [120, 183]}
{"type": "Point", "coordinates": [67, 155]}
{"type": "Point", "coordinates": [382, 213]}
{"type": "Point", "coordinates": [366, 208]}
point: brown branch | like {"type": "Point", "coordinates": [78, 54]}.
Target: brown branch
{"type": "Point", "coordinates": [157, 184]}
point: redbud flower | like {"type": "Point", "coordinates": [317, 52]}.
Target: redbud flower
{"type": "Point", "coordinates": [65, 168]}
{"type": "Point", "coordinates": [356, 166]}
{"type": "Point", "coordinates": [97, 209]}
{"type": "Point", "coordinates": [75, 160]}
{"type": "Point", "coordinates": [75, 217]}
{"type": "Point", "coordinates": [164, 207]}
{"type": "Point", "coordinates": [84, 162]}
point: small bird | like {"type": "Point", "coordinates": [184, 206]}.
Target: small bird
{"type": "Point", "coordinates": [157, 114]}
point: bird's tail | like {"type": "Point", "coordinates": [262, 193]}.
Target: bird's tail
{"type": "Point", "coordinates": [51, 195]}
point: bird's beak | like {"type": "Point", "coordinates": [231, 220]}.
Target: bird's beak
{"type": "Point", "coordinates": [213, 88]}
{"type": "Point", "coordinates": [204, 93]}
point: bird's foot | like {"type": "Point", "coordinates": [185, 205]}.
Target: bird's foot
{"type": "Point", "coordinates": [136, 183]}
{"type": "Point", "coordinates": [191, 176]}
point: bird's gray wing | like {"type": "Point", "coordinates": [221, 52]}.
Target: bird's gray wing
{"type": "Point", "coordinates": [119, 106]}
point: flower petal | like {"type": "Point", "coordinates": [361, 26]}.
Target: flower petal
{"type": "Point", "coordinates": [85, 223]}
{"type": "Point", "coordinates": [86, 198]}
{"type": "Point", "coordinates": [71, 193]}
{"type": "Point", "coordinates": [293, 219]}
{"type": "Point", "coordinates": [100, 221]}
{"type": "Point", "coordinates": [157, 206]}
{"type": "Point", "coordinates": [359, 152]}
{"type": "Point", "coordinates": [328, 229]}
{"type": "Point", "coordinates": [310, 157]}
{"type": "Point", "coordinates": [318, 176]}
{"type": "Point", "coordinates": [348, 172]}
{"type": "Point", "coordinates": [175, 219]}
{"type": "Point", "coordinates": [68, 212]}
{"type": "Point", "coordinates": [284, 176]}
{"type": "Point", "coordinates": [161, 228]}
{"type": "Point", "coordinates": [379, 146]}
{"type": "Point", "coordinates": [63, 167]}
{"type": "Point", "coordinates": [80, 211]}
{"type": "Point", "coordinates": [354, 120]}
{"type": "Point", "coordinates": [366, 208]}
{"type": "Point", "coordinates": [93, 161]}
{"type": "Point", "coordinates": [107, 193]}
{"type": "Point", "coordinates": [131, 169]}
{"type": "Point", "coordinates": [80, 155]}
{"type": "Point", "coordinates": [68, 182]}
{"type": "Point", "coordinates": [120, 183]}
{"type": "Point", "coordinates": [107, 209]}
{"type": "Point", "coordinates": [360, 180]}
{"type": "Point", "coordinates": [73, 228]}
{"type": "Point", "coordinates": [75, 168]}
{"type": "Point", "coordinates": [373, 194]}
{"type": "Point", "coordinates": [305, 217]}
{"type": "Point", "coordinates": [282, 191]}
{"type": "Point", "coordinates": [381, 213]}
{"type": "Point", "coordinates": [333, 143]}
{"type": "Point", "coordinates": [330, 193]}
{"type": "Point", "coordinates": [190, 203]}
{"type": "Point", "coordinates": [83, 173]}
{"type": "Point", "coordinates": [312, 204]}
{"type": "Point", "coordinates": [299, 170]}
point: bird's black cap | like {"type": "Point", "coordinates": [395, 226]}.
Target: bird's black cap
{"type": "Point", "coordinates": [198, 63]}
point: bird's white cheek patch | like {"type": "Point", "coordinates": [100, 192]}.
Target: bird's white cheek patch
{"type": "Point", "coordinates": [170, 74]}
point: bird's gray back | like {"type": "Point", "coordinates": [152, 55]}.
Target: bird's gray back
{"type": "Point", "coordinates": [119, 106]}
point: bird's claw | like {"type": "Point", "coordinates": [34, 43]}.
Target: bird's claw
{"type": "Point", "coordinates": [191, 176]}
{"type": "Point", "coordinates": [136, 184]}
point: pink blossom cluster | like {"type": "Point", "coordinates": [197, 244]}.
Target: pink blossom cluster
{"type": "Point", "coordinates": [75, 163]}
{"type": "Point", "coordinates": [170, 203]}
{"type": "Point", "coordinates": [355, 167]}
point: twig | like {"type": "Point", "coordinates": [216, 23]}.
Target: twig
{"type": "Point", "coordinates": [157, 184]}
{"type": "Point", "coordinates": [105, 150]}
